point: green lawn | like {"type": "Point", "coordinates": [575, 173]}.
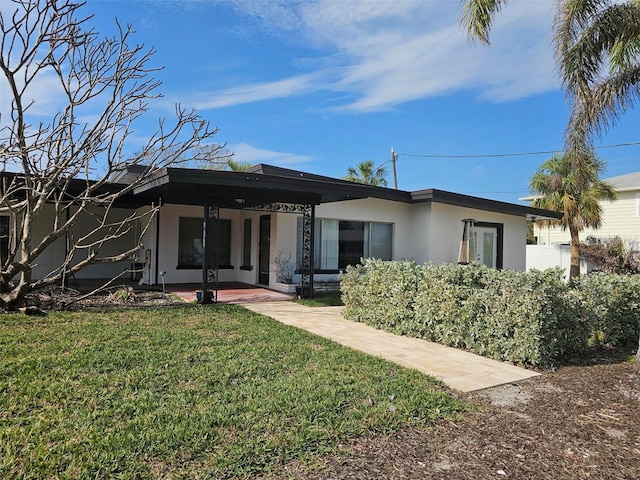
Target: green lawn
{"type": "Point", "coordinates": [189, 392]}
{"type": "Point", "coordinates": [323, 299]}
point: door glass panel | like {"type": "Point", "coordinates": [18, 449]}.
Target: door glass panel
{"type": "Point", "coordinates": [488, 241]}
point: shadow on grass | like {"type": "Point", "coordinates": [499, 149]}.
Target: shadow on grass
{"type": "Point", "coordinates": [323, 299]}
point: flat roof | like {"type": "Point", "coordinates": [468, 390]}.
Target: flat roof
{"type": "Point", "coordinates": [245, 189]}
{"type": "Point", "coordinates": [264, 184]}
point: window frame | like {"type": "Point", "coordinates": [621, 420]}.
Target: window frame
{"type": "Point", "coordinates": [321, 243]}
{"type": "Point", "coordinates": [224, 242]}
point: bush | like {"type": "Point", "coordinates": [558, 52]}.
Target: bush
{"type": "Point", "coordinates": [529, 318]}
{"type": "Point", "coordinates": [444, 309]}
{"type": "Point", "coordinates": [613, 304]}
{"type": "Point", "coordinates": [380, 293]}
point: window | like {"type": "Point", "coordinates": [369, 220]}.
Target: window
{"type": "Point", "coordinates": [4, 238]}
{"type": "Point", "coordinates": [338, 243]}
{"type": "Point", "coordinates": [351, 243]}
{"type": "Point", "coordinates": [190, 247]}
{"type": "Point", "coordinates": [246, 245]}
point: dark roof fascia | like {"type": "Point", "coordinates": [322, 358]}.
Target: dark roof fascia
{"type": "Point", "coordinates": [325, 188]}
{"type": "Point", "coordinates": [468, 201]}
{"type": "Point", "coordinates": [78, 185]}
{"type": "Point", "coordinates": [374, 191]}
{"type": "Point", "coordinates": [391, 194]}
{"type": "Point", "coordinates": [271, 170]}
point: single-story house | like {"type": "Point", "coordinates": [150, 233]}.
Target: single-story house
{"type": "Point", "coordinates": [270, 226]}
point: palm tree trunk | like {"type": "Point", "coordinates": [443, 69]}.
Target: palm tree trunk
{"type": "Point", "coordinates": [638, 358]}
{"type": "Point", "coordinates": [574, 269]}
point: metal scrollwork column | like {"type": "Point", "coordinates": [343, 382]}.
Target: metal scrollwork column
{"type": "Point", "coordinates": [210, 242]}
{"type": "Point", "coordinates": [308, 220]}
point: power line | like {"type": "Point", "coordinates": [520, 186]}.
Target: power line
{"type": "Point", "coordinates": [517, 154]}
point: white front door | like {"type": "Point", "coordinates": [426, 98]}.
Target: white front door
{"type": "Point", "coordinates": [486, 245]}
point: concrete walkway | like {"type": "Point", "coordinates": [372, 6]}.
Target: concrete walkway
{"type": "Point", "coordinates": [460, 370]}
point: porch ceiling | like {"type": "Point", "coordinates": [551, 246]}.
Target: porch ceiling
{"type": "Point", "coordinates": [243, 189]}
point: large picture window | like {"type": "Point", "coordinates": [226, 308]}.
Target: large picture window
{"type": "Point", "coordinates": [190, 247]}
{"type": "Point", "coordinates": [338, 243]}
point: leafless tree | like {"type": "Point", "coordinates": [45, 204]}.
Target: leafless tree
{"type": "Point", "coordinates": [61, 148]}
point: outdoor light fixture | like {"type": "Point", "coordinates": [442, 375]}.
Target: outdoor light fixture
{"type": "Point", "coordinates": [162, 274]}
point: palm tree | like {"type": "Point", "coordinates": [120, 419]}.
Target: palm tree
{"type": "Point", "coordinates": [365, 172]}
{"type": "Point", "coordinates": [559, 188]}
{"type": "Point", "coordinates": [591, 36]}
{"type": "Point", "coordinates": [598, 55]}
{"type": "Point", "coordinates": [237, 166]}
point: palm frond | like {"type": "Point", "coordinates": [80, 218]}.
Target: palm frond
{"type": "Point", "coordinates": [584, 46]}
{"type": "Point", "coordinates": [607, 101]}
{"type": "Point", "coordinates": [477, 18]}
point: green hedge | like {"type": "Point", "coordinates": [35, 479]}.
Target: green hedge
{"type": "Point", "coordinates": [532, 318]}
{"type": "Point", "coordinates": [380, 293]}
{"type": "Point", "coordinates": [613, 302]}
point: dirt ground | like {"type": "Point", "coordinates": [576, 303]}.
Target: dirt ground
{"type": "Point", "coordinates": [580, 422]}
{"type": "Point", "coordinates": [55, 298]}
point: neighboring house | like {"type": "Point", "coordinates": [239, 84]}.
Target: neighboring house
{"type": "Point", "coordinates": [258, 219]}
{"type": "Point", "coordinates": [620, 217]}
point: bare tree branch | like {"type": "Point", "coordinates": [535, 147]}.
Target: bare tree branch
{"type": "Point", "coordinates": [59, 171]}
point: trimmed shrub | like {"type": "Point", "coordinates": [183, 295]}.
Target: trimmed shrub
{"type": "Point", "coordinates": [444, 309]}
{"type": "Point", "coordinates": [532, 318]}
{"type": "Point", "coordinates": [380, 293]}
{"type": "Point", "coordinates": [527, 318]}
{"type": "Point", "coordinates": [613, 304]}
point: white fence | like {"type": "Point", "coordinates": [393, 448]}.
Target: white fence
{"type": "Point", "coordinates": [541, 257]}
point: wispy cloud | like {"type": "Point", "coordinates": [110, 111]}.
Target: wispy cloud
{"type": "Point", "coordinates": [377, 55]}
{"type": "Point", "coordinates": [244, 152]}
{"type": "Point", "coordinates": [287, 87]}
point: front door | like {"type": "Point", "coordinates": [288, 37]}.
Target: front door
{"type": "Point", "coordinates": [486, 245]}
{"type": "Point", "coordinates": [264, 247]}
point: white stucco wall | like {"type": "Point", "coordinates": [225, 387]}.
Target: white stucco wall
{"type": "Point", "coordinates": [376, 210]}
{"type": "Point", "coordinates": [422, 232]}
{"type": "Point", "coordinates": [418, 233]}
{"type": "Point", "coordinates": [445, 233]}
{"type": "Point", "coordinates": [54, 255]}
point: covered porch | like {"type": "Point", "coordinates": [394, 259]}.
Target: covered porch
{"type": "Point", "coordinates": [219, 245]}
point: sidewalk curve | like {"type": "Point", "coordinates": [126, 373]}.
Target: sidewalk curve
{"type": "Point", "coordinates": [463, 371]}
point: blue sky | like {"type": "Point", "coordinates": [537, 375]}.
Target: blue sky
{"type": "Point", "coordinates": [320, 85]}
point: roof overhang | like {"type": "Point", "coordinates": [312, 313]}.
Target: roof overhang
{"type": "Point", "coordinates": [467, 201]}
{"type": "Point", "coordinates": [244, 189]}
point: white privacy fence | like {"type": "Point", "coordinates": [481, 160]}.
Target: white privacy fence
{"type": "Point", "coordinates": [541, 257]}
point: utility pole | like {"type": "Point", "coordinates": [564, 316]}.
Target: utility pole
{"type": "Point", "coordinates": [394, 157]}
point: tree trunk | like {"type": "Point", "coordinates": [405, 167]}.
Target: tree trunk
{"type": "Point", "coordinates": [638, 358]}
{"type": "Point", "coordinates": [574, 269]}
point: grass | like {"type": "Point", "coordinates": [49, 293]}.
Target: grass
{"type": "Point", "coordinates": [323, 299]}
{"type": "Point", "coordinates": [189, 392]}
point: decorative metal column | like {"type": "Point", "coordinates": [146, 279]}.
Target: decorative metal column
{"type": "Point", "coordinates": [308, 212]}
{"type": "Point", "coordinates": [308, 220]}
{"type": "Point", "coordinates": [210, 244]}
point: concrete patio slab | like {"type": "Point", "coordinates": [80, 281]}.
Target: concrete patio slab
{"type": "Point", "coordinates": [232, 293]}
{"type": "Point", "coordinates": [463, 371]}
